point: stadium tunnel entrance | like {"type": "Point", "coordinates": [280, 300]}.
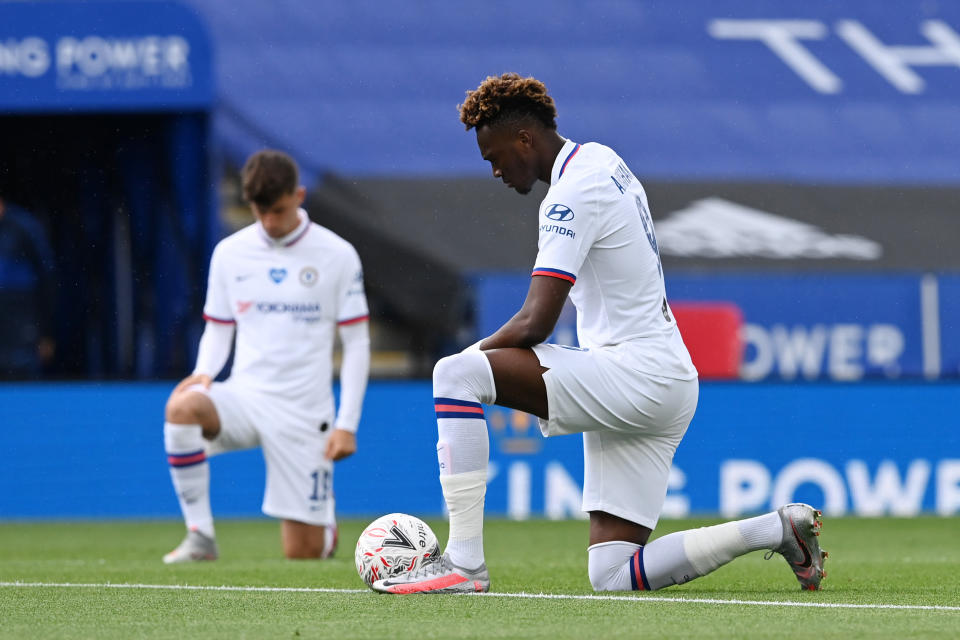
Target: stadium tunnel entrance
{"type": "Point", "coordinates": [104, 118]}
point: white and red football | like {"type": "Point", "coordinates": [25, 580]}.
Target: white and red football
{"type": "Point", "coordinates": [394, 544]}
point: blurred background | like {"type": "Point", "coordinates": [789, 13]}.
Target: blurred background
{"type": "Point", "coordinates": [801, 161]}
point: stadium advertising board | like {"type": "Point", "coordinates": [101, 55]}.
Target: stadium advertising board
{"type": "Point", "coordinates": [103, 56]}
{"type": "Point", "coordinates": [843, 327]}
{"type": "Point", "coordinates": [96, 451]}
{"type": "Point", "coordinates": [752, 448]}
{"type": "Point", "coordinates": [796, 327]}
{"type": "Point", "coordinates": [947, 294]}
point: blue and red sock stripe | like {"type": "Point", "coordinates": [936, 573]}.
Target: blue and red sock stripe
{"type": "Point", "coordinates": [181, 460]}
{"type": "Point", "coordinates": [452, 408]}
{"type": "Point", "coordinates": [554, 273]}
{"type": "Point", "coordinates": [638, 577]}
{"type": "Point", "coordinates": [354, 320]}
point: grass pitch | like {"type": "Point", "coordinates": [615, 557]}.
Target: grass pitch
{"type": "Point", "coordinates": [886, 578]}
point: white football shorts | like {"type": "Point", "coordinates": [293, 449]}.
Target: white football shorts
{"type": "Point", "coordinates": [631, 422]}
{"type": "Point", "coordinates": [299, 483]}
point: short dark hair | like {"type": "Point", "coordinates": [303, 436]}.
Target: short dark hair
{"type": "Point", "coordinates": [267, 176]}
{"type": "Point", "coordinates": [505, 98]}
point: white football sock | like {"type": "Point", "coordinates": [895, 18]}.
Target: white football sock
{"type": "Point", "coordinates": [460, 384]}
{"type": "Point", "coordinates": [190, 472]}
{"type": "Point", "coordinates": [664, 562]}
{"type": "Point", "coordinates": [682, 556]}
{"type": "Point", "coordinates": [330, 539]}
{"type": "Point", "coordinates": [608, 565]}
{"type": "Point", "coordinates": [762, 532]}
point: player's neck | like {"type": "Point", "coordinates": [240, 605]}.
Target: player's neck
{"type": "Point", "coordinates": [553, 143]}
{"type": "Point", "coordinates": [286, 232]}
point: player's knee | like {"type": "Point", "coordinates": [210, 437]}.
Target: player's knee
{"type": "Point", "coordinates": [183, 408]}
{"type": "Point", "coordinates": [446, 371]}
{"type": "Point", "coordinates": [600, 574]}
{"type": "Point", "coordinates": [464, 376]}
{"type": "Point", "coordinates": [303, 550]}
{"type": "Point", "coordinates": [608, 565]}
{"type": "Point", "coordinates": [175, 412]}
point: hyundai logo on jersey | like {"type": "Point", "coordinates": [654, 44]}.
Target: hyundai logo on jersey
{"type": "Point", "coordinates": [560, 213]}
{"type": "Point", "coordinates": [277, 275]}
{"type": "Point", "coordinates": [555, 228]}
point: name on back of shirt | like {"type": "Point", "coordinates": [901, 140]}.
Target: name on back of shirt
{"type": "Point", "coordinates": [622, 177]}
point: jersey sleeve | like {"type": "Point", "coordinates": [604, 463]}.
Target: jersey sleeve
{"type": "Point", "coordinates": [217, 307]}
{"type": "Point", "coordinates": [568, 227]}
{"type": "Point", "coordinates": [352, 303]}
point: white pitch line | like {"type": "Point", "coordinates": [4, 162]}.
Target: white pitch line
{"type": "Point", "coordinates": [532, 596]}
{"type": "Point", "coordinates": [178, 587]}
{"type": "Point", "coordinates": [759, 603]}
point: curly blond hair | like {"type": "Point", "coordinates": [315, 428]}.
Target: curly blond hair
{"type": "Point", "coordinates": [505, 97]}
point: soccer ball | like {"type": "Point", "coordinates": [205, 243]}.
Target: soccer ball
{"type": "Point", "coordinates": [394, 544]}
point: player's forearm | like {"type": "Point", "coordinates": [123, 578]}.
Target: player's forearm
{"type": "Point", "coordinates": [354, 373]}
{"type": "Point", "coordinates": [536, 319]}
{"type": "Point", "coordinates": [214, 349]}
{"type": "Point", "coordinates": [522, 330]}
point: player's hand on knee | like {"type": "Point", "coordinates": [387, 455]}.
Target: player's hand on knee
{"type": "Point", "coordinates": [342, 443]}
{"type": "Point", "coordinates": [189, 381]}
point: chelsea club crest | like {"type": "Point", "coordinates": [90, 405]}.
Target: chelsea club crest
{"type": "Point", "coordinates": [308, 276]}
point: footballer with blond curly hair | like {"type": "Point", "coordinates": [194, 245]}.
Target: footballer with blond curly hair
{"type": "Point", "coordinates": [630, 387]}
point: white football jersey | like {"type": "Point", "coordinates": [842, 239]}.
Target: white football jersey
{"type": "Point", "coordinates": [286, 297]}
{"type": "Point", "coordinates": [596, 232]}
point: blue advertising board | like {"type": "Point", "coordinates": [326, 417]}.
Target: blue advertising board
{"type": "Point", "coordinates": [96, 451]}
{"type": "Point", "coordinates": [103, 56]}
{"type": "Point", "coordinates": [811, 326]}
{"type": "Point", "coordinates": [948, 296]}
{"type": "Point", "coordinates": [870, 449]}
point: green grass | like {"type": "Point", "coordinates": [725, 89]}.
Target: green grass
{"type": "Point", "coordinates": [872, 561]}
